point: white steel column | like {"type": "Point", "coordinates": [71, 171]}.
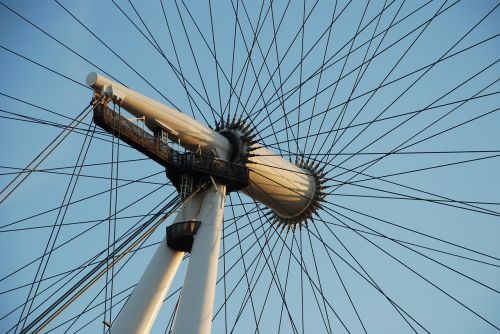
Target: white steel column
{"type": "Point", "coordinates": [194, 314]}
{"type": "Point", "coordinates": [140, 311]}
{"type": "Point", "coordinates": [286, 188]}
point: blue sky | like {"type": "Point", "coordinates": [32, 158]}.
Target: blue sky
{"type": "Point", "coordinates": [457, 130]}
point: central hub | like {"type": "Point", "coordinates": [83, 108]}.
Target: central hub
{"type": "Point", "coordinates": [240, 136]}
{"type": "Point", "coordinates": [312, 168]}
{"type": "Point", "coordinates": [292, 191]}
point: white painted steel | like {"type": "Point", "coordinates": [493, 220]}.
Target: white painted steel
{"type": "Point", "coordinates": [140, 311]}
{"type": "Point", "coordinates": [190, 132]}
{"type": "Point", "coordinates": [194, 313]}
{"type": "Point", "coordinates": [274, 181]}
{"type": "Point", "coordinates": [279, 184]}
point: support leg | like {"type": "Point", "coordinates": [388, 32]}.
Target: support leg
{"type": "Point", "coordinates": [141, 309]}
{"type": "Point", "coordinates": [194, 314]}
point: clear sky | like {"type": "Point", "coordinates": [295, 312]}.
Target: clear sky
{"type": "Point", "coordinates": [397, 100]}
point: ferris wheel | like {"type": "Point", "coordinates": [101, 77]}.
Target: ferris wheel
{"type": "Point", "coordinates": [250, 167]}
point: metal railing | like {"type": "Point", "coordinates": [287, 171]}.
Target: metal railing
{"type": "Point", "coordinates": [234, 176]}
